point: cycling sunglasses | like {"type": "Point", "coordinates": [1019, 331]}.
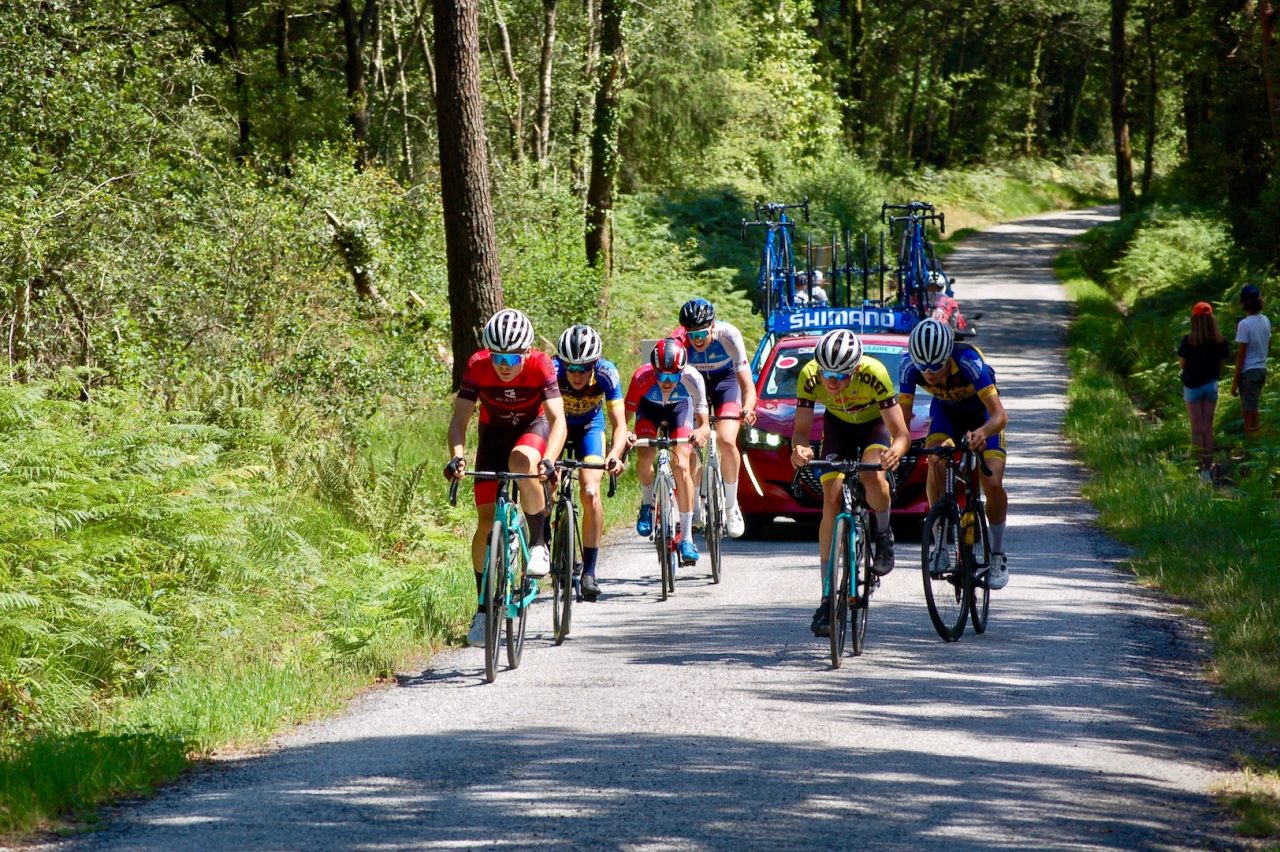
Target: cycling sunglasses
{"type": "Point", "coordinates": [932, 368]}
{"type": "Point", "coordinates": [834, 376]}
{"type": "Point", "coordinates": [506, 359]}
{"type": "Point", "coordinates": [699, 335]}
{"type": "Point", "coordinates": [668, 377]}
{"type": "Point", "coordinates": [579, 368]}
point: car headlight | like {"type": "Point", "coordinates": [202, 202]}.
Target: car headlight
{"type": "Point", "coordinates": [759, 439]}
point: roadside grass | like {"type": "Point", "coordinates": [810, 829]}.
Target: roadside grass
{"type": "Point", "coordinates": [1211, 548]}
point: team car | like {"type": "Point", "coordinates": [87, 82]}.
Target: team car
{"type": "Point", "coordinates": [769, 486]}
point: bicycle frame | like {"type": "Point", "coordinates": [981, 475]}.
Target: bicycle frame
{"type": "Point", "coordinates": [916, 259]}
{"type": "Point", "coordinates": [665, 510]}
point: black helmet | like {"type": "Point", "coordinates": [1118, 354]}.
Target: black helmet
{"type": "Point", "coordinates": [697, 313]}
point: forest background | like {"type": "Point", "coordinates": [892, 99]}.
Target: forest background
{"type": "Point", "coordinates": [226, 291]}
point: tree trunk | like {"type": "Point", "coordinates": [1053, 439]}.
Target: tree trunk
{"type": "Point", "coordinates": [284, 77]}
{"type": "Point", "coordinates": [241, 84]}
{"type": "Point", "coordinates": [1269, 13]}
{"type": "Point", "coordinates": [909, 129]}
{"type": "Point", "coordinates": [355, 32]}
{"type": "Point", "coordinates": [402, 88]}
{"type": "Point", "coordinates": [1120, 109]}
{"type": "Point", "coordinates": [1029, 127]}
{"type": "Point", "coordinates": [585, 103]}
{"type": "Point", "coordinates": [471, 243]}
{"type": "Point", "coordinates": [604, 136]}
{"type": "Point", "coordinates": [542, 141]}
{"type": "Point", "coordinates": [20, 335]}
{"type": "Point", "coordinates": [1149, 114]}
{"type": "Point", "coordinates": [427, 50]}
{"type": "Point", "coordinates": [515, 98]}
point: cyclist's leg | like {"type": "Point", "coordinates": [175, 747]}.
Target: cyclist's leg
{"type": "Point", "coordinates": [876, 439]}
{"type": "Point", "coordinates": [590, 448]}
{"type": "Point", "coordinates": [941, 432]}
{"type": "Point", "coordinates": [524, 458]}
{"type": "Point", "coordinates": [646, 427]}
{"type": "Point", "coordinates": [727, 402]}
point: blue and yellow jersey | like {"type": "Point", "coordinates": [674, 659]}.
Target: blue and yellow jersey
{"type": "Point", "coordinates": [969, 380]}
{"type": "Point", "coordinates": [603, 386]}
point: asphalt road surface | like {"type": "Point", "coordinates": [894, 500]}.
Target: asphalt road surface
{"type": "Point", "coordinates": [714, 721]}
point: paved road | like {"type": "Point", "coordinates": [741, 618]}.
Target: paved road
{"type": "Point", "coordinates": [713, 721]}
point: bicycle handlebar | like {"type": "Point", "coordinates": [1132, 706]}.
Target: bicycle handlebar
{"type": "Point", "coordinates": [947, 451]}
{"type": "Point", "coordinates": [573, 464]}
{"type": "Point", "coordinates": [846, 466]}
{"type": "Point", "coordinates": [499, 475]}
{"type": "Point", "coordinates": [662, 443]}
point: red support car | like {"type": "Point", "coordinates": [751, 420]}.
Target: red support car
{"type": "Point", "coordinates": [769, 486]}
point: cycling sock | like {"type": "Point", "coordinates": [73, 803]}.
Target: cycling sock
{"type": "Point", "coordinates": [646, 494]}
{"type": "Point", "coordinates": [730, 495]}
{"type": "Point", "coordinates": [537, 527]}
{"type": "Point", "coordinates": [997, 537]}
{"type": "Point", "coordinates": [686, 523]}
{"type": "Point", "coordinates": [882, 521]}
{"type": "Point", "coordinates": [480, 585]}
{"type": "Point", "coordinates": [589, 555]}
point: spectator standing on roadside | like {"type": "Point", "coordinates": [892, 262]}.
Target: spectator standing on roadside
{"type": "Point", "coordinates": [1254, 336]}
{"type": "Point", "coordinates": [1202, 355]}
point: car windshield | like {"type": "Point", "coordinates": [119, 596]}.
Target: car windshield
{"type": "Point", "coordinates": [785, 370]}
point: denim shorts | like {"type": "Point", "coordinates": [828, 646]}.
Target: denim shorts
{"type": "Point", "coordinates": [1251, 382]}
{"type": "Point", "coordinates": [1207, 392]}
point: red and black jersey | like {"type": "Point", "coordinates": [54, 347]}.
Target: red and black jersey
{"type": "Point", "coordinates": [514, 403]}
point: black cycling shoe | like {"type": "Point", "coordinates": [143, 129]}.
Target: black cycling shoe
{"type": "Point", "coordinates": [590, 588]}
{"type": "Point", "coordinates": [821, 624]}
{"type": "Point", "coordinates": [883, 562]}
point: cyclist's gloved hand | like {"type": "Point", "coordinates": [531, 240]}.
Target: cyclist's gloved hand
{"type": "Point", "coordinates": [749, 417]}
{"type": "Point", "coordinates": [613, 464]}
{"type": "Point", "coordinates": [548, 470]}
{"type": "Point", "coordinates": [801, 456]}
{"type": "Point", "coordinates": [453, 470]}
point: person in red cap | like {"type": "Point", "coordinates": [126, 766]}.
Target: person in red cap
{"type": "Point", "coordinates": [1202, 355]}
{"type": "Point", "coordinates": [1253, 333]}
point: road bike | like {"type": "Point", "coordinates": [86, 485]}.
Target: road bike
{"type": "Point", "coordinates": [776, 282]}
{"type": "Point", "coordinates": [666, 534]}
{"type": "Point", "coordinates": [508, 590]}
{"type": "Point", "coordinates": [714, 525]}
{"type": "Point", "coordinates": [955, 549]}
{"type": "Point", "coordinates": [566, 545]}
{"type": "Point", "coordinates": [847, 580]}
{"type": "Point", "coordinates": [917, 263]}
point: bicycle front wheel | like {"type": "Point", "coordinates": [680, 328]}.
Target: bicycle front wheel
{"type": "Point", "coordinates": [564, 550]}
{"type": "Point", "coordinates": [980, 592]}
{"type": "Point", "coordinates": [947, 582]}
{"type": "Point", "coordinates": [521, 599]}
{"type": "Point", "coordinates": [838, 570]}
{"type": "Point", "coordinates": [495, 582]}
{"type": "Point", "coordinates": [862, 582]}
{"type": "Point", "coordinates": [663, 536]}
{"type": "Point", "coordinates": [713, 531]}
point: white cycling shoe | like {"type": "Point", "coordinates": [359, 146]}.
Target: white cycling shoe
{"type": "Point", "coordinates": [475, 636]}
{"type": "Point", "coordinates": [539, 562]}
{"type": "Point", "coordinates": [998, 573]}
{"type": "Point", "coordinates": [733, 523]}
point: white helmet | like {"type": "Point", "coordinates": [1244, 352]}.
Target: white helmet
{"type": "Point", "coordinates": [839, 351]}
{"type": "Point", "coordinates": [580, 344]}
{"type": "Point", "coordinates": [508, 331]}
{"type": "Point", "coordinates": [931, 343]}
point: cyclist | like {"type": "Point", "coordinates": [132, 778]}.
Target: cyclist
{"type": "Point", "coordinates": [522, 429]}
{"type": "Point", "coordinates": [966, 407]}
{"type": "Point", "coordinates": [716, 350]}
{"type": "Point", "coordinates": [862, 413]}
{"type": "Point", "coordinates": [589, 385]}
{"type": "Point", "coordinates": [668, 391]}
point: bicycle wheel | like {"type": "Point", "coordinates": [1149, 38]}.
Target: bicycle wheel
{"type": "Point", "coordinates": [521, 593]}
{"type": "Point", "coordinates": [563, 551]}
{"type": "Point", "coordinates": [946, 582]}
{"type": "Point", "coordinates": [662, 536]}
{"type": "Point", "coordinates": [838, 569]}
{"type": "Point", "coordinates": [495, 580]}
{"type": "Point", "coordinates": [863, 581]}
{"type": "Point", "coordinates": [980, 591]}
{"type": "Point", "coordinates": [713, 518]}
